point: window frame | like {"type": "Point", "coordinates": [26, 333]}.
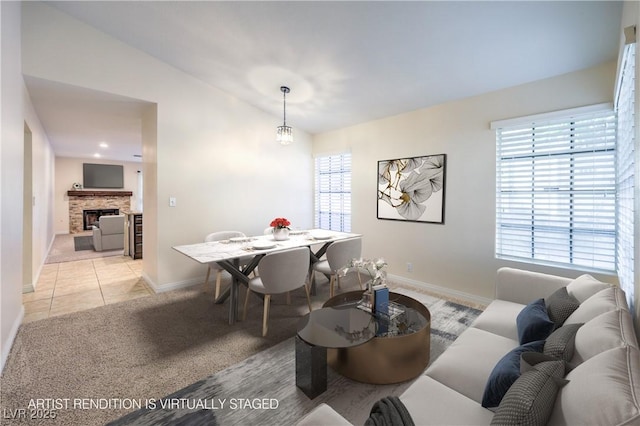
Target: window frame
{"type": "Point", "coordinates": [626, 168]}
{"type": "Point", "coordinates": [332, 204]}
{"type": "Point", "coordinates": [548, 231]}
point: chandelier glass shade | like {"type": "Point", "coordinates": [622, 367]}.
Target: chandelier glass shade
{"type": "Point", "coordinates": [284, 134]}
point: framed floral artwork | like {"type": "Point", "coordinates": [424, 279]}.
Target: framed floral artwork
{"type": "Point", "coordinates": [412, 189]}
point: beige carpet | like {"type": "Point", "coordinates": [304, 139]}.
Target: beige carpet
{"type": "Point", "coordinates": [144, 348]}
{"type": "Point", "coordinates": [136, 350]}
{"type": "Point", "coordinates": [62, 250]}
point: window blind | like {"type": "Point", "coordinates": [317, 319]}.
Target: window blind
{"type": "Point", "coordinates": [626, 172]}
{"type": "Point", "coordinates": [333, 192]}
{"type": "Point", "coordinates": [555, 191]}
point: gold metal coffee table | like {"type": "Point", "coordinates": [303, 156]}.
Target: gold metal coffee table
{"type": "Point", "coordinates": [399, 351]}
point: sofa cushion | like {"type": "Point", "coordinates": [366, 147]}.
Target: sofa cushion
{"type": "Point", "coordinates": [505, 372]}
{"type": "Point", "coordinates": [561, 343]}
{"type": "Point", "coordinates": [606, 331]}
{"type": "Point", "coordinates": [533, 322]}
{"type": "Point", "coordinates": [521, 286]}
{"type": "Point", "coordinates": [529, 401]}
{"type": "Point", "coordinates": [323, 415]}
{"type": "Point", "coordinates": [560, 305]}
{"type": "Point", "coordinates": [468, 361]}
{"type": "Point", "coordinates": [500, 318]}
{"type": "Point", "coordinates": [431, 402]}
{"type": "Point", "coordinates": [603, 390]}
{"type": "Point", "coordinates": [585, 286]}
{"type": "Point", "coordinates": [606, 300]}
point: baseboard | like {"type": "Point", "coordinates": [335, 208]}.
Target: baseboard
{"type": "Point", "coordinates": [8, 344]}
{"type": "Point", "coordinates": [28, 288]}
{"type": "Point", "coordinates": [454, 294]}
{"type": "Point", "coordinates": [172, 286]}
{"type": "Point", "coordinates": [472, 298]}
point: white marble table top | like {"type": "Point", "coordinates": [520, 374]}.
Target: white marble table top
{"type": "Point", "coordinates": [239, 247]}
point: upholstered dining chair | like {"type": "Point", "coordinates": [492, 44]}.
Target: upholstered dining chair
{"type": "Point", "coordinates": [213, 266]}
{"type": "Point", "coordinates": [338, 256]}
{"type": "Point", "coordinates": [280, 272]}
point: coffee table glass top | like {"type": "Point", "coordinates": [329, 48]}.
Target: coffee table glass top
{"type": "Point", "coordinates": [337, 327]}
{"type": "Point", "coordinates": [410, 320]}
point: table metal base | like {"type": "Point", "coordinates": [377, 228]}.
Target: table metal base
{"type": "Point", "coordinates": [311, 368]}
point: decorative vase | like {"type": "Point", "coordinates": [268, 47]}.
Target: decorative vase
{"type": "Point", "coordinates": [280, 234]}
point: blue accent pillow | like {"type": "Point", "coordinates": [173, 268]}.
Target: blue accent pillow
{"type": "Point", "coordinates": [533, 322]}
{"type": "Point", "coordinates": [505, 373]}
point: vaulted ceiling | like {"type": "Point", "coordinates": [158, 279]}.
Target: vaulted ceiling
{"type": "Point", "coordinates": [345, 62]}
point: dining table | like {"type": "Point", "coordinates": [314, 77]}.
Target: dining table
{"type": "Point", "coordinates": [227, 254]}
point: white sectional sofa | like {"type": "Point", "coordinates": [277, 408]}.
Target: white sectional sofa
{"type": "Point", "coordinates": [601, 376]}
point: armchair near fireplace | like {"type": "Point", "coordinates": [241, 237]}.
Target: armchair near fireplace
{"type": "Point", "coordinates": [109, 234]}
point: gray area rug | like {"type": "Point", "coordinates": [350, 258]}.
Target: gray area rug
{"type": "Point", "coordinates": [63, 250]}
{"type": "Point", "coordinates": [83, 243]}
{"type": "Point", "coordinates": [261, 390]}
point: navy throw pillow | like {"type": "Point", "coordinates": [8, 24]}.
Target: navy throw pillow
{"type": "Point", "coordinates": [505, 373]}
{"type": "Point", "coordinates": [533, 322]}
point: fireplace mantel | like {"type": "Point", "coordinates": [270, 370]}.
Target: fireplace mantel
{"type": "Point", "coordinates": [99, 193]}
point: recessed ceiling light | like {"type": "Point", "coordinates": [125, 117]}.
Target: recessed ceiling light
{"type": "Point", "coordinates": [104, 145]}
{"type": "Point", "coordinates": [97, 155]}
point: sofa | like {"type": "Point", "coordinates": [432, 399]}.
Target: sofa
{"type": "Point", "coordinates": [109, 234]}
{"type": "Point", "coordinates": [588, 376]}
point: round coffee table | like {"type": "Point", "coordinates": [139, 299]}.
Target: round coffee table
{"type": "Point", "coordinates": [398, 352]}
{"type": "Point", "coordinates": [322, 329]}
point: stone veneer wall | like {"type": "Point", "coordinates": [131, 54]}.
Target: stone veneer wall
{"type": "Point", "coordinates": [78, 204]}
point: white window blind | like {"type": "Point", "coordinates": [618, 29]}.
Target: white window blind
{"type": "Point", "coordinates": [626, 172]}
{"type": "Point", "coordinates": [333, 192]}
{"type": "Point", "coordinates": [555, 191]}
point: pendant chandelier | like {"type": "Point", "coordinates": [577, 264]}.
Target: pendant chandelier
{"type": "Point", "coordinates": [285, 133]}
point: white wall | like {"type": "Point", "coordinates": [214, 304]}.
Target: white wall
{"type": "Point", "coordinates": [208, 149]}
{"type": "Point", "coordinates": [11, 162]}
{"type": "Point", "coordinates": [458, 255]}
{"type": "Point", "coordinates": [69, 170]}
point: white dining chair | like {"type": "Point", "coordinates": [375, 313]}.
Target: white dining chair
{"type": "Point", "coordinates": [338, 256]}
{"type": "Point", "coordinates": [213, 266]}
{"type": "Point", "coordinates": [280, 272]}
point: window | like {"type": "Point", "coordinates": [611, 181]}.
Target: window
{"type": "Point", "coordinates": [626, 172]}
{"type": "Point", "coordinates": [555, 189]}
{"type": "Point", "coordinates": [333, 192]}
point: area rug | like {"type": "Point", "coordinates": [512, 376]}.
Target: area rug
{"type": "Point", "coordinates": [63, 250]}
{"type": "Point", "coordinates": [96, 366]}
{"type": "Point", "coordinates": [83, 243]}
{"type": "Point", "coordinates": [261, 390]}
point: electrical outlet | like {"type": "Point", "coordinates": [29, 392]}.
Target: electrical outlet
{"type": "Point", "coordinates": [409, 267]}
{"type": "Point", "coordinates": [172, 201]}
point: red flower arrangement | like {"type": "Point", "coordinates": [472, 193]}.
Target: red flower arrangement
{"type": "Point", "coordinates": [279, 223]}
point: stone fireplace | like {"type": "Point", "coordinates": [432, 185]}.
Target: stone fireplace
{"type": "Point", "coordinates": [81, 201]}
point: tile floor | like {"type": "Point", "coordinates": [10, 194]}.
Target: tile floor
{"type": "Point", "coordinates": [84, 284]}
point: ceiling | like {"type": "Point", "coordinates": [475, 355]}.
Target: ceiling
{"type": "Point", "coordinates": [345, 62]}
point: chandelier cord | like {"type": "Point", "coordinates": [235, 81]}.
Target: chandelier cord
{"type": "Point", "coordinates": [284, 107]}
